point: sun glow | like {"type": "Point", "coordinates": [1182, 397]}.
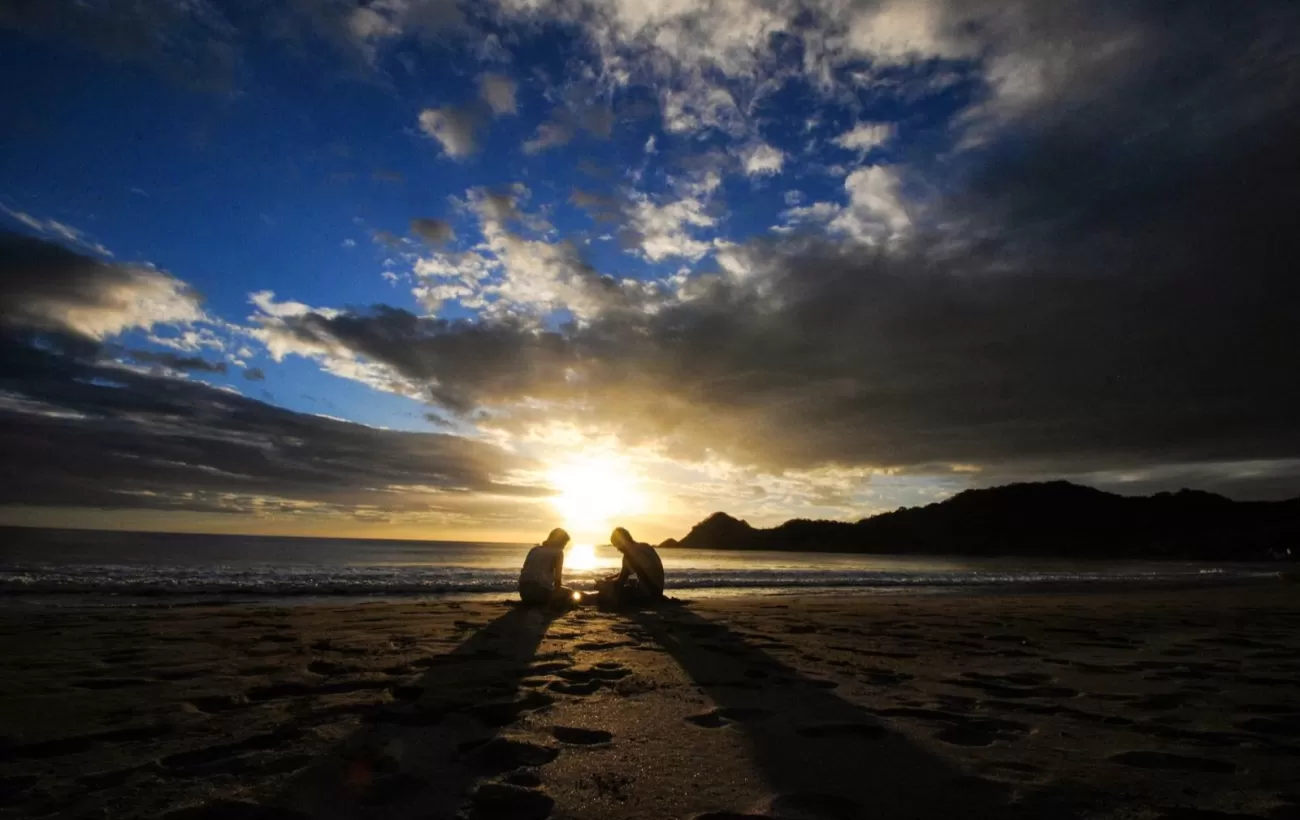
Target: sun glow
{"type": "Point", "coordinates": [591, 494]}
{"type": "Point", "coordinates": [580, 556]}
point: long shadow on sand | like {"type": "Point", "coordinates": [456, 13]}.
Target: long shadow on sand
{"type": "Point", "coordinates": [417, 758]}
{"type": "Point", "coordinates": [823, 757]}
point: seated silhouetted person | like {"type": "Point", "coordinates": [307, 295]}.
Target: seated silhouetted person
{"type": "Point", "coordinates": [639, 582]}
{"type": "Point", "coordinates": [541, 581]}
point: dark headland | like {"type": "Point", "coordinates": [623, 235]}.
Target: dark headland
{"type": "Point", "coordinates": [1048, 519]}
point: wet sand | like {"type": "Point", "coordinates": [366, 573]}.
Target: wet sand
{"type": "Point", "coordinates": [1178, 705]}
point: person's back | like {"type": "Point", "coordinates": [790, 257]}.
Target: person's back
{"type": "Point", "coordinates": [543, 570]}
{"type": "Point", "coordinates": [644, 560]}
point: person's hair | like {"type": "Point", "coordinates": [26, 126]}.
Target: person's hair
{"type": "Point", "coordinates": [557, 538]}
{"type": "Point", "coordinates": [620, 537]}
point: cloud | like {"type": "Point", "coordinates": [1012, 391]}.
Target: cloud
{"type": "Point", "coordinates": [55, 229]}
{"type": "Point", "coordinates": [898, 31]}
{"type": "Point", "coordinates": [1090, 267]}
{"type": "Point", "coordinates": [1103, 283]}
{"type": "Point", "coordinates": [363, 30]}
{"type": "Point", "coordinates": [83, 433]}
{"type": "Point", "coordinates": [762, 160]}
{"type": "Point", "coordinates": [701, 106]}
{"type": "Point", "coordinates": [454, 128]}
{"type": "Point", "coordinates": [433, 231]}
{"type": "Point", "coordinates": [566, 122]}
{"type": "Point", "coordinates": [44, 286]}
{"type": "Point", "coordinates": [865, 135]}
{"type": "Point", "coordinates": [876, 211]}
{"type": "Point", "coordinates": [498, 91]}
{"type": "Point", "coordinates": [175, 361]}
{"type": "Point", "coordinates": [388, 239]}
{"type": "Point", "coordinates": [664, 231]}
{"type": "Point", "coordinates": [255, 374]}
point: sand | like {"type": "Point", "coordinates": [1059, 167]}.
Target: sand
{"type": "Point", "coordinates": [1137, 705]}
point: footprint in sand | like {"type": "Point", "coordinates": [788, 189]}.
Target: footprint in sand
{"type": "Point", "coordinates": [724, 716]}
{"type": "Point", "coordinates": [965, 736]}
{"type": "Point", "coordinates": [212, 704]}
{"type": "Point", "coordinates": [963, 730]}
{"type": "Point", "coordinates": [407, 691]}
{"type": "Point", "coordinates": [814, 806]}
{"type": "Point", "coordinates": [593, 646]}
{"type": "Point", "coordinates": [505, 800]}
{"type": "Point", "coordinates": [523, 777]}
{"type": "Point", "coordinates": [548, 667]}
{"type": "Point", "coordinates": [502, 754]}
{"type": "Point", "coordinates": [324, 667]}
{"type": "Point", "coordinates": [576, 736]}
{"type": "Point", "coordinates": [585, 688]}
{"type": "Point", "coordinates": [503, 713]}
{"type": "Point", "coordinates": [1173, 762]}
{"type": "Point", "coordinates": [599, 672]}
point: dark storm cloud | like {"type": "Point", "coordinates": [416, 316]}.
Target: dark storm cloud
{"type": "Point", "coordinates": [462, 363]}
{"type": "Point", "coordinates": [176, 361]}
{"type": "Point", "coordinates": [1108, 280]}
{"type": "Point", "coordinates": [435, 232]}
{"type": "Point", "coordinates": [45, 286]}
{"type": "Point", "coordinates": [78, 431]}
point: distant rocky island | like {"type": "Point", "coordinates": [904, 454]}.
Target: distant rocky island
{"type": "Point", "coordinates": [1055, 519]}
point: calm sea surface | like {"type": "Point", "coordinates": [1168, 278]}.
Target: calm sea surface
{"type": "Point", "coordinates": [64, 567]}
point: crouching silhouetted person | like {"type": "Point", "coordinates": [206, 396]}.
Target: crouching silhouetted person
{"type": "Point", "coordinates": [639, 582]}
{"type": "Point", "coordinates": [541, 581]}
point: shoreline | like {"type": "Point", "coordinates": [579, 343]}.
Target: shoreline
{"type": "Point", "coordinates": [80, 599]}
{"type": "Point", "coordinates": [1101, 704]}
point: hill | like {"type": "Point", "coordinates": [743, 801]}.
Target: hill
{"type": "Point", "coordinates": [1049, 519]}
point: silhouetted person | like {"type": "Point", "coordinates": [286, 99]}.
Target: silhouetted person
{"type": "Point", "coordinates": [541, 581]}
{"type": "Point", "coordinates": [640, 581]}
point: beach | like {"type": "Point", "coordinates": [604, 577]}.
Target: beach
{"type": "Point", "coordinates": [1136, 704]}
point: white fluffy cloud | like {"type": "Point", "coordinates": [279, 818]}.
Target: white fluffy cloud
{"type": "Point", "coordinates": [897, 31]}
{"type": "Point", "coordinates": [762, 160]}
{"type": "Point", "coordinates": [865, 135]}
{"type": "Point", "coordinates": [875, 211]}
{"type": "Point", "coordinates": [665, 231]}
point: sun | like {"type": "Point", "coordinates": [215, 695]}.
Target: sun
{"type": "Point", "coordinates": [592, 493]}
{"type": "Point", "coordinates": [581, 556]}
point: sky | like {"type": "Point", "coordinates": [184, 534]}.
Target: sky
{"type": "Point", "coordinates": [470, 270]}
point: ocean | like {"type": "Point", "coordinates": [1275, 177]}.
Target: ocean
{"type": "Point", "coordinates": [47, 567]}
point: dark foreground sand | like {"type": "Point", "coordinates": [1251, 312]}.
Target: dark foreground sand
{"type": "Point", "coordinates": [1141, 705]}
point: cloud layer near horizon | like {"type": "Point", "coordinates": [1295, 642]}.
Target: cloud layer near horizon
{"type": "Point", "coordinates": [1017, 240]}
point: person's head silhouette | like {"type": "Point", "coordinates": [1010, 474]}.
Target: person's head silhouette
{"type": "Point", "coordinates": [557, 538]}
{"type": "Point", "coordinates": [621, 538]}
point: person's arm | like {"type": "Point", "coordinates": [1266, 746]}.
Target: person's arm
{"type": "Point", "coordinates": [559, 570]}
{"type": "Point", "coordinates": [626, 571]}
